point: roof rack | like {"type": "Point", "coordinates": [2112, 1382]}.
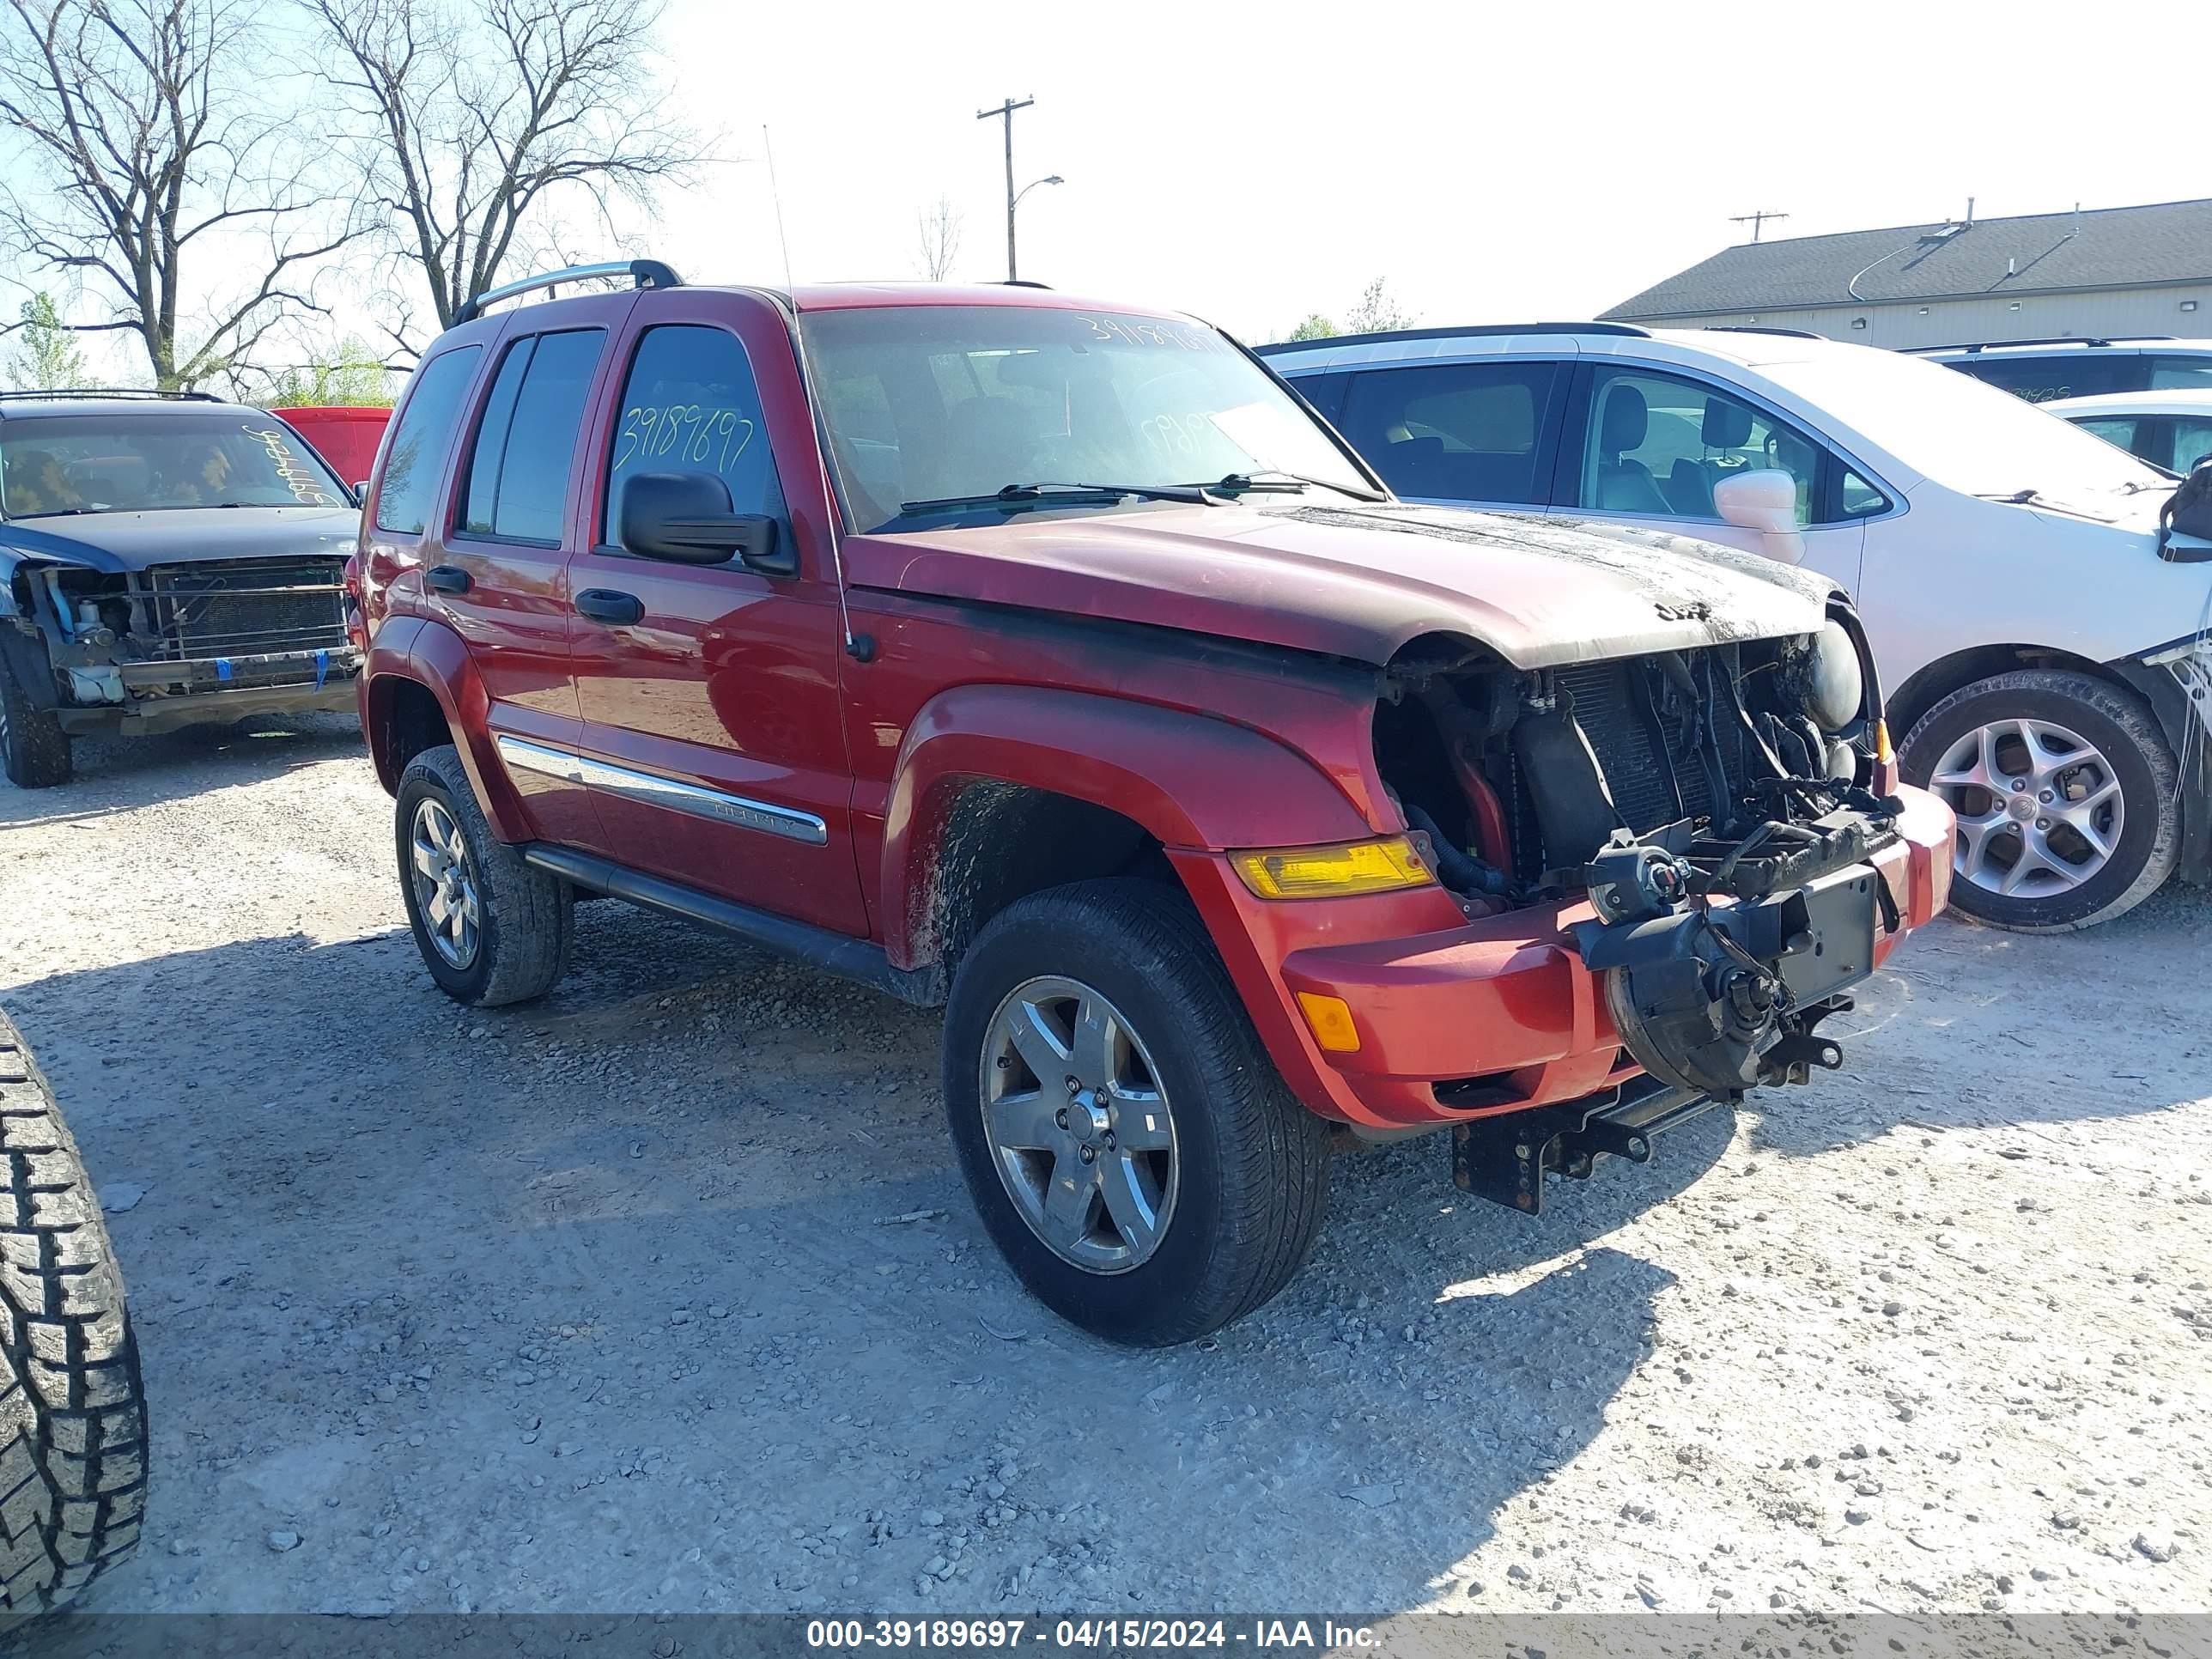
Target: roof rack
{"type": "Point", "coordinates": [122, 391]}
{"type": "Point", "coordinates": [1756, 328]}
{"type": "Point", "coordinates": [1628, 329]}
{"type": "Point", "coordinates": [1024, 281]}
{"type": "Point", "coordinates": [647, 273]}
{"type": "Point", "coordinates": [2054, 340]}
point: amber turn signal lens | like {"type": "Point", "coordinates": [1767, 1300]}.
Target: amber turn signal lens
{"type": "Point", "coordinates": [1359, 867]}
{"type": "Point", "coordinates": [1330, 1020]}
{"type": "Point", "coordinates": [1883, 753]}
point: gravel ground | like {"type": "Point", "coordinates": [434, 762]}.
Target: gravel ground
{"type": "Point", "coordinates": [663, 1294]}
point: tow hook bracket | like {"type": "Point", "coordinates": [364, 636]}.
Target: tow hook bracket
{"type": "Point", "coordinates": [1505, 1158]}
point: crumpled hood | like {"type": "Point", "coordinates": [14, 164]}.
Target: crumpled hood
{"type": "Point", "coordinates": [117, 542]}
{"type": "Point", "coordinates": [1360, 582]}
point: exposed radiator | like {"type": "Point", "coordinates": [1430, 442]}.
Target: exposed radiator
{"type": "Point", "coordinates": [246, 607]}
{"type": "Point", "coordinates": [1610, 708]}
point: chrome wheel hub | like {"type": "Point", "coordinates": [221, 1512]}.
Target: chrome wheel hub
{"type": "Point", "coordinates": [445, 883]}
{"type": "Point", "coordinates": [1080, 1131]}
{"type": "Point", "coordinates": [2040, 807]}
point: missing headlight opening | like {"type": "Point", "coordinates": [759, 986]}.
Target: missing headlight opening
{"type": "Point", "coordinates": [1716, 807]}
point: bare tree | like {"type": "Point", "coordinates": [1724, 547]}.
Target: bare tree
{"type": "Point", "coordinates": [143, 131]}
{"type": "Point", "coordinates": [1378, 312]}
{"type": "Point", "coordinates": [940, 225]}
{"type": "Point", "coordinates": [476, 116]}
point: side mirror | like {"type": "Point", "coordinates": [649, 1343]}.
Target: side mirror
{"type": "Point", "coordinates": [685, 517]}
{"type": "Point", "coordinates": [1765, 501]}
{"type": "Point", "coordinates": [361, 492]}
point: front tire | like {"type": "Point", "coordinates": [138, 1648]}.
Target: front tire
{"type": "Point", "coordinates": [1132, 1151]}
{"type": "Point", "coordinates": [73, 1449]}
{"type": "Point", "coordinates": [492, 928]}
{"type": "Point", "coordinates": [34, 750]}
{"type": "Point", "coordinates": [2065, 793]}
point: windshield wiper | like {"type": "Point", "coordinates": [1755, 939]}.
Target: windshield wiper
{"type": "Point", "coordinates": [1274, 480]}
{"type": "Point", "coordinates": [1027, 495]}
{"type": "Point", "coordinates": [2018, 498]}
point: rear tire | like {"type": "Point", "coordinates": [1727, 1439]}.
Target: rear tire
{"type": "Point", "coordinates": [34, 750]}
{"type": "Point", "coordinates": [73, 1451]}
{"type": "Point", "coordinates": [511, 942]}
{"type": "Point", "coordinates": [1236, 1177]}
{"type": "Point", "coordinates": [2033, 735]}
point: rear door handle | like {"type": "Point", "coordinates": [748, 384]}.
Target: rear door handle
{"type": "Point", "coordinates": [606, 605]}
{"type": "Point", "coordinates": [447, 578]}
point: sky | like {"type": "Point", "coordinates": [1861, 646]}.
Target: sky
{"type": "Point", "coordinates": [1253, 163]}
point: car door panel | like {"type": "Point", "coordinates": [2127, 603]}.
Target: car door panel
{"type": "Point", "coordinates": [500, 579]}
{"type": "Point", "coordinates": [713, 741]}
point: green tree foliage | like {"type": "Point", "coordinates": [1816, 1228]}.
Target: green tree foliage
{"type": "Point", "coordinates": [1316, 327]}
{"type": "Point", "coordinates": [356, 378]}
{"type": "Point", "coordinates": [47, 353]}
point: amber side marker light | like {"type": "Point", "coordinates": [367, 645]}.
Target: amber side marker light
{"type": "Point", "coordinates": [1883, 753]}
{"type": "Point", "coordinates": [1341, 871]}
{"type": "Point", "coordinates": [1329, 1018]}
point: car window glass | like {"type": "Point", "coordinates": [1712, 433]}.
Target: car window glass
{"type": "Point", "coordinates": [1857, 499]}
{"type": "Point", "coordinates": [490, 448]}
{"type": "Point", "coordinates": [1655, 444]}
{"type": "Point", "coordinates": [691, 405]}
{"type": "Point", "coordinates": [530, 485]}
{"type": "Point", "coordinates": [164, 458]}
{"type": "Point", "coordinates": [2167, 372]}
{"type": "Point", "coordinates": [2083, 374]}
{"type": "Point", "coordinates": [2114, 429]}
{"type": "Point", "coordinates": [1464, 432]}
{"type": "Point", "coordinates": [420, 441]}
{"type": "Point", "coordinates": [2192, 442]}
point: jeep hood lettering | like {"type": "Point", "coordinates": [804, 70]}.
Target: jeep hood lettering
{"type": "Point", "coordinates": [1360, 583]}
{"type": "Point", "coordinates": [119, 542]}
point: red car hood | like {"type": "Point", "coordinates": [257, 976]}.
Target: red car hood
{"type": "Point", "coordinates": [1360, 582]}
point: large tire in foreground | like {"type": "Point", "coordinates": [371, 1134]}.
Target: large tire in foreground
{"type": "Point", "coordinates": [492, 928]}
{"type": "Point", "coordinates": [1132, 1149]}
{"type": "Point", "coordinates": [2066, 796]}
{"type": "Point", "coordinates": [72, 1407]}
{"type": "Point", "coordinates": [34, 750]}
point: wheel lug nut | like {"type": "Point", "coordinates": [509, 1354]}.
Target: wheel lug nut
{"type": "Point", "coordinates": [2043, 823]}
{"type": "Point", "coordinates": [1090, 1155]}
{"type": "Point", "coordinates": [1109, 1140]}
{"type": "Point", "coordinates": [1074, 1087]}
{"type": "Point", "coordinates": [2018, 784]}
{"type": "Point", "coordinates": [2045, 795]}
{"type": "Point", "coordinates": [1060, 1117]}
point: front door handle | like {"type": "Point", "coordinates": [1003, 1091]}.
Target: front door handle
{"type": "Point", "coordinates": [447, 578]}
{"type": "Point", "coordinates": [606, 605]}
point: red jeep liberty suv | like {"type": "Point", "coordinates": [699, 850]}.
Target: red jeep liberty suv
{"type": "Point", "coordinates": [1052, 661]}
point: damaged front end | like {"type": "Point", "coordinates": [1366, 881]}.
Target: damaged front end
{"type": "Point", "coordinates": [147, 650]}
{"type": "Point", "coordinates": [1718, 809]}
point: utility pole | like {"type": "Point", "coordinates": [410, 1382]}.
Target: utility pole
{"type": "Point", "coordinates": [1755, 221]}
{"type": "Point", "coordinates": [1006, 112]}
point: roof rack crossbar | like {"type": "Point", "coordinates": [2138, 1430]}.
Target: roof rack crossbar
{"type": "Point", "coordinates": [1760, 328]}
{"type": "Point", "coordinates": [2052, 340]}
{"type": "Point", "coordinates": [114, 391]}
{"type": "Point", "coordinates": [645, 273]}
{"type": "Point", "coordinates": [1630, 330]}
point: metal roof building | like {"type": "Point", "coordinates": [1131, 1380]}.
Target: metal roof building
{"type": "Point", "coordinates": [2105, 271]}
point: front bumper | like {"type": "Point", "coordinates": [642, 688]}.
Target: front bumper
{"type": "Point", "coordinates": [1477, 1019]}
{"type": "Point", "coordinates": [160, 695]}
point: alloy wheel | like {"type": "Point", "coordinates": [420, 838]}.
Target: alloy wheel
{"type": "Point", "coordinates": [445, 882]}
{"type": "Point", "coordinates": [2040, 807]}
{"type": "Point", "coordinates": [1079, 1125]}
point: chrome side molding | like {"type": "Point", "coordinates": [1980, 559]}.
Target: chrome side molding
{"type": "Point", "coordinates": [769, 819]}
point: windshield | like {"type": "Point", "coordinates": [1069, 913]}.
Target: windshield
{"type": "Point", "coordinates": [1962, 434]}
{"type": "Point", "coordinates": [126, 463]}
{"type": "Point", "coordinates": [937, 403]}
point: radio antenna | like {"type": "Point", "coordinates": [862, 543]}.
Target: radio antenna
{"type": "Point", "coordinates": [775, 195]}
{"type": "Point", "coordinates": [860, 647]}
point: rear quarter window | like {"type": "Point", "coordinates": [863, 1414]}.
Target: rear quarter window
{"type": "Point", "coordinates": [422, 438]}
